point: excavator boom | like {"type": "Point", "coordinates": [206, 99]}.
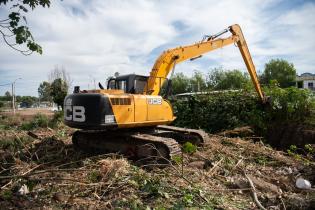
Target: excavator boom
{"type": "Point", "coordinates": [165, 63]}
{"type": "Point", "coordinates": [242, 46]}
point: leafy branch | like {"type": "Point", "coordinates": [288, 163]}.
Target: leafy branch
{"type": "Point", "coordinates": [14, 30]}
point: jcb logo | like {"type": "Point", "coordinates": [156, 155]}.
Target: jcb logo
{"type": "Point", "coordinates": [155, 101]}
{"type": "Point", "coordinates": [74, 113]}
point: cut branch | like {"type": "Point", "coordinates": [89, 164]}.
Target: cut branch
{"type": "Point", "coordinates": [253, 191]}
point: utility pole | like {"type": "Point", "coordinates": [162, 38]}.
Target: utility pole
{"type": "Point", "coordinates": [13, 105]}
{"type": "Point", "coordinates": [13, 95]}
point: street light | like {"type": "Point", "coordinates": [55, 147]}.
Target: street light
{"type": "Point", "coordinates": [13, 94]}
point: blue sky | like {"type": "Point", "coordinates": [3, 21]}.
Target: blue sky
{"type": "Point", "coordinates": [95, 39]}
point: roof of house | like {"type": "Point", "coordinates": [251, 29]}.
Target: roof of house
{"type": "Point", "coordinates": [305, 76]}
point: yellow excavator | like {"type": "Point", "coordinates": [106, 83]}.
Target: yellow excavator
{"type": "Point", "coordinates": [131, 117]}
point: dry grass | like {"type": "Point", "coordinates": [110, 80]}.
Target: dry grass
{"type": "Point", "coordinates": [57, 177]}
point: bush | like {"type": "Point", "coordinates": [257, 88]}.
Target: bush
{"type": "Point", "coordinates": [14, 143]}
{"type": "Point", "coordinates": [228, 110]}
{"type": "Point", "coordinates": [39, 120]}
{"type": "Point", "coordinates": [216, 112]}
{"type": "Point", "coordinates": [290, 104]}
{"type": "Point", "coordinates": [56, 120]}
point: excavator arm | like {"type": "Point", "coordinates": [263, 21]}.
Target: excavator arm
{"type": "Point", "coordinates": [165, 63]}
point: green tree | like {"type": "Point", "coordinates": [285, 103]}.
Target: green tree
{"type": "Point", "coordinates": [60, 72]}
{"type": "Point", "coordinates": [197, 82]}
{"type": "Point", "coordinates": [14, 29]}
{"type": "Point", "coordinates": [59, 90]}
{"type": "Point", "coordinates": [280, 70]}
{"type": "Point", "coordinates": [44, 90]}
{"type": "Point", "coordinates": [180, 83]}
{"type": "Point", "coordinates": [214, 76]}
{"type": "Point", "coordinates": [8, 96]}
{"type": "Point", "coordinates": [27, 100]}
{"type": "Point", "coordinates": [220, 79]}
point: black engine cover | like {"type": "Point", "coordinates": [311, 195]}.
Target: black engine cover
{"type": "Point", "coordinates": [88, 111]}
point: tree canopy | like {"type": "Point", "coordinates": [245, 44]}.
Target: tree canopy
{"type": "Point", "coordinates": [279, 71]}
{"type": "Point", "coordinates": [220, 79]}
{"type": "Point", "coordinates": [44, 91]}
{"type": "Point", "coordinates": [217, 79]}
{"type": "Point", "coordinates": [59, 90]}
{"type": "Point", "coordinates": [7, 94]}
{"type": "Point", "coordinates": [180, 83]}
{"type": "Point", "coordinates": [60, 72]}
{"type": "Point", "coordinates": [57, 86]}
{"type": "Point", "coordinates": [197, 82]}
{"type": "Point", "coordinates": [14, 29]}
{"type": "Point", "coordinates": [27, 101]}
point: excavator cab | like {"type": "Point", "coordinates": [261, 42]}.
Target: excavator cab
{"type": "Point", "coordinates": [130, 83]}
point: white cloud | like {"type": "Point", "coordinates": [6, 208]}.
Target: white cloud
{"type": "Point", "coordinates": [94, 39]}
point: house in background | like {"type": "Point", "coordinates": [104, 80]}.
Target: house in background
{"type": "Point", "coordinates": [306, 81]}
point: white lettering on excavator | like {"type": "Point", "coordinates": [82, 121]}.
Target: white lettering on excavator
{"type": "Point", "coordinates": [155, 101]}
{"type": "Point", "coordinates": [67, 110]}
{"type": "Point", "coordinates": [74, 113]}
{"type": "Point", "coordinates": [78, 113]}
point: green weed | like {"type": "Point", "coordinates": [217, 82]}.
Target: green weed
{"type": "Point", "coordinates": [189, 148]}
{"type": "Point", "coordinates": [177, 159]}
{"type": "Point", "coordinates": [295, 152]}
{"type": "Point", "coordinates": [14, 143]}
{"type": "Point", "coordinates": [309, 149]}
{"type": "Point", "coordinates": [56, 120]}
{"type": "Point", "coordinates": [262, 159]}
{"type": "Point", "coordinates": [6, 194]}
{"type": "Point", "coordinates": [39, 121]}
{"type": "Point", "coordinates": [94, 176]}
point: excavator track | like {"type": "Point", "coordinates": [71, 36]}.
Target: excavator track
{"type": "Point", "coordinates": [161, 142]}
{"type": "Point", "coordinates": [182, 135]}
{"type": "Point", "coordinates": [131, 144]}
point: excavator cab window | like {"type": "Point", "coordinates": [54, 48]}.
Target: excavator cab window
{"type": "Point", "coordinates": [122, 85]}
{"type": "Point", "coordinates": [139, 85]}
{"type": "Point", "coordinates": [111, 84]}
{"type": "Point", "coordinates": [117, 84]}
{"type": "Point", "coordinates": [132, 83]}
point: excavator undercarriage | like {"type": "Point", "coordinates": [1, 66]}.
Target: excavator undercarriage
{"type": "Point", "coordinates": [159, 143]}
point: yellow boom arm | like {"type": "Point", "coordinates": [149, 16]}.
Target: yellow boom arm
{"type": "Point", "coordinates": [165, 63]}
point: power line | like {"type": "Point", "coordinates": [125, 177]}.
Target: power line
{"type": "Point", "coordinates": [6, 84]}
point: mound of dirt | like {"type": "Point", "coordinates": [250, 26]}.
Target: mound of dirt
{"type": "Point", "coordinates": [245, 131]}
{"type": "Point", "coordinates": [284, 135]}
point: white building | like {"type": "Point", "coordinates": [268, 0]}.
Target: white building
{"type": "Point", "coordinates": [306, 81]}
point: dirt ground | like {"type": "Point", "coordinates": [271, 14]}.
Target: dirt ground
{"type": "Point", "coordinates": [45, 172]}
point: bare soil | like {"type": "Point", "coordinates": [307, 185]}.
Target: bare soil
{"type": "Point", "coordinates": [282, 136]}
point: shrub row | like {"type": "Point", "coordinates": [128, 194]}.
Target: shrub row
{"type": "Point", "coordinates": [227, 110]}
